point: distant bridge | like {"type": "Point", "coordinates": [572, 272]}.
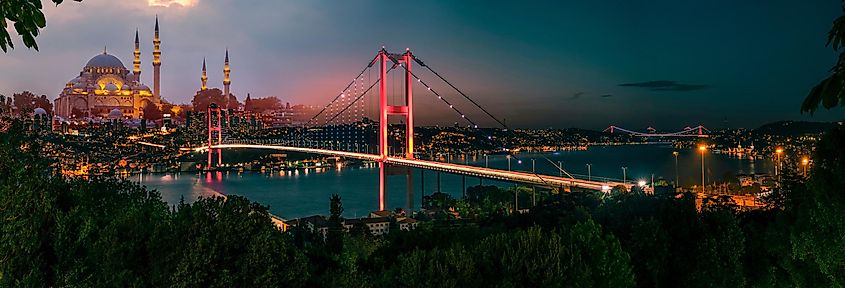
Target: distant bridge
{"type": "Point", "coordinates": [697, 131]}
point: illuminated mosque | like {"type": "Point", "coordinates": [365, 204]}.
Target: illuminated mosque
{"type": "Point", "coordinates": [105, 88]}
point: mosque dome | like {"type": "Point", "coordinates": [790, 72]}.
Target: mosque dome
{"type": "Point", "coordinates": [115, 114]}
{"type": "Point", "coordinates": [105, 61]}
{"type": "Point", "coordinates": [40, 111]}
{"type": "Point", "coordinates": [111, 87]}
{"type": "Point", "coordinates": [125, 87]}
{"type": "Point", "coordinates": [79, 85]}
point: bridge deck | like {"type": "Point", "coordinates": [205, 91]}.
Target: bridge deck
{"type": "Point", "coordinates": [497, 174]}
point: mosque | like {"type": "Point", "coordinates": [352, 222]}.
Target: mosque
{"type": "Point", "coordinates": [105, 88]}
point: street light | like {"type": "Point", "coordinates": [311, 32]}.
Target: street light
{"type": "Point", "coordinates": [804, 163]}
{"type": "Point", "coordinates": [509, 162]}
{"type": "Point", "coordinates": [589, 172]}
{"type": "Point", "coordinates": [624, 174]}
{"type": "Point", "coordinates": [560, 167]}
{"type": "Point", "coordinates": [675, 153]}
{"type": "Point", "coordinates": [778, 151]}
{"type": "Point", "coordinates": [702, 148]}
{"type": "Point", "coordinates": [533, 188]}
{"type": "Point", "coordinates": [486, 161]}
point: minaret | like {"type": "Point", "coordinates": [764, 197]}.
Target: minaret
{"type": "Point", "coordinates": [204, 77]}
{"type": "Point", "coordinates": [156, 65]}
{"type": "Point", "coordinates": [226, 80]}
{"type": "Point", "coordinates": [137, 63]}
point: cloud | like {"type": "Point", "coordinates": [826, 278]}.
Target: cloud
{"type": "Point", "coordinates": [168, 3]}
{"type": "Point", "coordinates": [666, 85]}
{"type": "Point", "coordinates": [575, 96]}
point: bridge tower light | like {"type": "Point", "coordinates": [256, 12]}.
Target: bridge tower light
{"type": "Point", "coordinates": [702, 148]}
{"type": "Point", "coordinates": [215, 134]}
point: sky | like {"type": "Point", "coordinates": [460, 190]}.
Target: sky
{"type": "Point", "coordinates": [662, 63]}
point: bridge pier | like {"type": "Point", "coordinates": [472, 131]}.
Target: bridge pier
{"type": "Point", "coordinates": [422, 188]}
{"type": "Point", "coordinates": [409, 180]}
{"type": "Point", "coordinates": [382, 179]}
{"type": "Point", "coordinates": [464, 186]}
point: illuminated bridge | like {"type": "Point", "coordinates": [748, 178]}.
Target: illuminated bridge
{"type": "Point", "coordinates": [466, 170]}
{"type": "Point", "coordinates": [351, 108]}
{"type": "Point", "coordinates": [697, 131]}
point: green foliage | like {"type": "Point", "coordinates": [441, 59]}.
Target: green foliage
{"type": "Point", "coordinates": [578, 257]}
{"type": "Point", "coordinates": [27, 18]}
{"type": "Point", "coordinates": [451, 267]}
{"type": "Point", "coordinates": [820, 234]}
{"type": "Point", "coordinates": [718, 252]}
{"type": "Point", "coordinates": [828, 92]}
{"type": "Point", "coordinates": [107, 232]}
{"type": "Point", "coordinates": [334, 236]}
{"type": "Point", "coordinates": [114, 233]}
{"type": "Point", "coordinates": [649, 248]}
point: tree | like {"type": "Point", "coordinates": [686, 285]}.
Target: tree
{"type": "Point", "coordinates": [718, 253]}
{"type": "Point", "coordinates": [334, 236]}
{"type": "Point", "coordinates": [829, 92]}
{"type": "Point", "coordinates": [4, 107]}
{"type": "Point", "coordinates": [203, 98]}
{"type": "Point", "coordinates": [818, 236]}
{"type": "Point", "coordinates": [264, 104]}
{"type": "Point", "coordinates": [151, 112]}
{"type": "Point", "coordinates": [27, 18]}
{"type": "Point", "coordinates": [580, 256]}
{"type": "Point", "coordinates": [44, 103]}
{"type": "Point", "coordinates": [649, 249]}
{"type": "Point", "coordinates": [24, 102]}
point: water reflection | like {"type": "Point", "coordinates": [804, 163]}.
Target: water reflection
{"type": "Point", "coordinates": [304, 192]}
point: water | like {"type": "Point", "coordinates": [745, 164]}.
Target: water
{"type": "Point", "coordinates": [292, 194]}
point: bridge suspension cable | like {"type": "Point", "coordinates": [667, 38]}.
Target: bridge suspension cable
{"type": "Point", "coordinates": [477, 105]}
{"type": "Point", "coordinates": [369, 65]}
{"type": "Point", "coordinates": [358, 98]}
{"type": "Point", "coordinates": [440, 97]}
{"type": "Point", "coordinates": [460, 92]}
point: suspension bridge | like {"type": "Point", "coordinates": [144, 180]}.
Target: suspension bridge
{"type": "Point", "coordinates": [697, 131]}
{"type": "Point", "coordinates": [355, 112]}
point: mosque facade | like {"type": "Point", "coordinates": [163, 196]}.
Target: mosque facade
{"type": "Point", "coordinates": [105, 85]}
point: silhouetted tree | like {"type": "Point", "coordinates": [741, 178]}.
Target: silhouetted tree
{"type": "Point", "coordinates": [151, 112]}
{"type": "Point", "coordinates": [24, 102]}
{"type": "Point", "coordinates": [821, 223]}
{"type": "Point", "coordinates": [202, 99]}
{"type": "Point", "coordinates": [334, 236]}
{"type": "Point", "coordinates": [829, 92]}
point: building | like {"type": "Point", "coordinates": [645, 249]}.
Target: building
{"type": "Point", "coordinates": [104, 84]}
{"type": "Point", "coordinates": [407, 224]}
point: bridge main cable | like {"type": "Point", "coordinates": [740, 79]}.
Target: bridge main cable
{"type": "Point", "coordinates": [451, 106]}
{"type": "Point", "coordinates": [473, 123]}
{"type": "Point", "coordinates": [460, 92]}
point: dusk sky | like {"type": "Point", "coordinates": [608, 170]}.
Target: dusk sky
{"type": "Point", "coordinates": [667, 63]}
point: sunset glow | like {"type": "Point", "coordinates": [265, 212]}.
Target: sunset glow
{"type": "Point", "coordinates": [168, 3]}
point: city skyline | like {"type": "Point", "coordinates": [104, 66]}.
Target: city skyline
{"type": "Point", "coordinates": [633, 67]}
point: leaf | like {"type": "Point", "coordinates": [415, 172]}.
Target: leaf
{"type": "Point", "coordinates": [39, 20]}
{"type": "Point", "coordinates": [811, 103]}
{"type": "Point", "coordinates": [830, 94]}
